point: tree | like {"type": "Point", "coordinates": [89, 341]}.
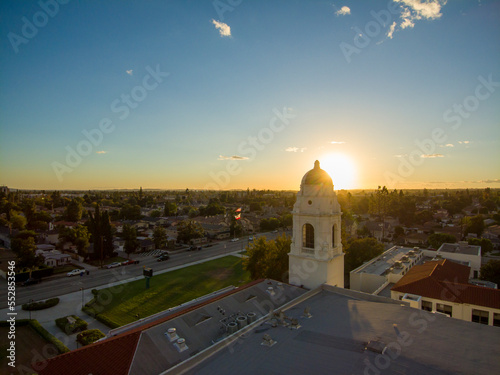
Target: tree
{"type": "Point", "coordinates": [269, 224]}
{"type": "Point", "coordinates": [437, 239]}
{"type": "Point", "coordinates": [159, 237]}
{"type": "Point", "coordinates": [170, 209]}
{"type": "Point", "coordinates": [398, 231]}
{"type": "Point", "coordinates": [268, 259]}
{"type": "Point", "coordinates": [25, 249]}
{"type": "Point", "coordinates": [130, 237]}
{"type": "Point", "coordinates": [491, 271]}
{"type": "Point", "coordinates": [486, 244]}
{"type": "Point", "coordinates": [155, 213]}
{"type": "Point", "coordinates": [359, 251]}
{"type": "Point", "coordinates": [74, 210]}
{"type": "Point", "coordinates": [81, 237]}
{"type": "Point", "coordinates": [475, 225]}
{"type": "Point", "coordinates": [17, 220]}
{"type": "Point", "coordinates": [188, 230]}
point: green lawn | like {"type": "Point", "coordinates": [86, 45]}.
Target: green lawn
{"type": "Point", "coordinates": [169, 289]}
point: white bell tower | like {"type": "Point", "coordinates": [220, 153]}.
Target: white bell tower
{"type": "Point", "coordinates": [316, 255]}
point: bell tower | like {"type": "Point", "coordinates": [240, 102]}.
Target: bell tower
{"type": "Point", "coordinates": [316, 255]}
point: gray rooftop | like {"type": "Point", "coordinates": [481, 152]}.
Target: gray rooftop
{"type": "Point", "coordinates": [459, 248]}
{"type": "Point", "coordinates": [335, 341]}
{"type": "Point", "coordinates": [379, 265]}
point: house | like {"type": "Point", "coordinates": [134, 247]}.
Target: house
{"type": "Point", "coordinates": [54, 258]}
{"type": "Point", "coordinates": [443, 286]}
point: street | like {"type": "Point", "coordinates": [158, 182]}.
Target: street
{"type": "Point", "coordinates": [60, 285]}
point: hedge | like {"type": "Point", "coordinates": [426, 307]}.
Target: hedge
{"type": "Point", "coordinates": [48, 336]}
{"type": "Point", "coordinates": [89, 310]}
{"type": "Point", "coordinates": [70, 328]}
{"type": "Point", "coordinates": [40, 305]}
{"type": "Point", "coordinates": [36, 274]}
{"type": "Point", "coordinates": [89, 336]}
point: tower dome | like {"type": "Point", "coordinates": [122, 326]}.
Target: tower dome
{"type": "Point", "coordinates": [317, 176]}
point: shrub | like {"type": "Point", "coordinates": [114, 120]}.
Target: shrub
{"type": "Point", "coordinates": [89, 336]}
{"type": "Point", "coordinates": [48, 336]}
{"type": "Point", "coordinates": [105, 320]}
{"type": "Point", "coordinates": [69, 327]}
{"type": "Point", "coordinates": [41, 305]}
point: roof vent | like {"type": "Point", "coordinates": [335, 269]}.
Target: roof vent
{"type": "Point", "coordinates": [270, 290]}
{"type": "Point", "coordinates": [172, 334]}
{"type": "Point", "coordinates": [267, 341]}
{"type": "Point", "coordinates": [306, 313]}
{"type": "Point", "coordinates": [251, 317]}
{"type": "Point", "coordinates": [180, 344]}
{"type": "Point", "coordinates": [242, 321]}
{"type": "Point", "coordinates": [232, 328]}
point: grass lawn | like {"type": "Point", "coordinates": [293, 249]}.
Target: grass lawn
{"type": "Point", "coordinates": [170, 289]}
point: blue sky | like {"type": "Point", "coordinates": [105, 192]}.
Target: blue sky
{"type": "Point", "coordinates": [236, 94]}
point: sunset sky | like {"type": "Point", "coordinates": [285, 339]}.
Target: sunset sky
{"type": "Point", "coordinates": [235, 94]}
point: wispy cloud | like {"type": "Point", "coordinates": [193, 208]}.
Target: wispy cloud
{"type": "Point", "coordinates": [464, 142]}
{"type": "Point", "coordinates": [391, 30]}
{"type": "Point", "coordinates": [494, 181]}
{"type": "Point", "coordinates": [129, 72]}
{"type": "Point", "coordinates": [101, 152]}
{"type": "Point", "coordinates": [234, 157]}
{"type": "Point", "coordinates": [295, 149]}
{"type": "Point", "coordinates": [343, 11]}
{"type": "Point", "coordinates": [337, 142]}
{"type": "Point", "coordinates": [416, 10]}
{"type": "Point", "coordinates": [400, 155]}
{"type": "Point", "coordinates": [447, 145]}
{"type": "Point", "coordinates": [224, 29]}
{"type": "Point", "coordinates": [432, 156]}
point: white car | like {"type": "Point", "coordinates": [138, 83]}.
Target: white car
{"type": "Point", "coordinates": [75, 272]}
{"type": "Point", "coordinates": [113, 265]}
{"type": "Point", "coordinates": [235, 239]}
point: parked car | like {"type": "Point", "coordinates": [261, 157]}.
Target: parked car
{"type": "Point", "coordinates": [235, 239]}
{"type": "Point", "coordinates": [130, 261]}
{"type": "Point", "coordinates": [163, 257]}
{"type": "Point", "coordinates": [31, 282]}
{"type": "Point", "coordinates": [75, 272]}
{"type": "Point", "coordinates": [113, 265]}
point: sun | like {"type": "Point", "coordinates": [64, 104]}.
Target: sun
{"type": "Point", "coordinates": [341, 169]}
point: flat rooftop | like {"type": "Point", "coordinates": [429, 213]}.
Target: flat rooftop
{"type": "Point", "coordinates": [380, 264]}
{"type": "Point", "coordinates": [459, 248]}
{"type": "Point", "coordinates": [335, 340]}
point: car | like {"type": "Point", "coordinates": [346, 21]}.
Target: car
{"type": "Point", "coordinates": [31, 281]}
{"type": "Point", "coordinates": [130, 261]}
{"type": "Point", "coordinates": [235, 239]}
{"type": "Point", "coordinates": [163, 257]}
{"type": "Point", "coordinates": [75, 272]}
{"type": "Point", "coordinates": [209, 245]}
{"type": "Point", "coordinates": [113, 265]}
{"type": "Point", "coordinates": [250, 238]}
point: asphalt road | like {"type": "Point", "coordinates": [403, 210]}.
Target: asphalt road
{"type": "Point", "coordinates": [60, 285]}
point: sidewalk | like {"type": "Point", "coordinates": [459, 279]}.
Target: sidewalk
{"type": "Point", "coordinates": [71, 304]}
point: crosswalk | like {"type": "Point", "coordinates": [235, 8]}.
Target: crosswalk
{"type": "Point", "coordinates": [153, 253]}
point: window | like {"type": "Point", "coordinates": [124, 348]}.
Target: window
{"type": "Point", "coordinates": [308, 236]}
{"type": "Point", "coordinates": [445, 309]}
{"type": "Point", "coordinates": [480, 316]}
{"type": "Point", "coordinates": [426, 305]}
{"type": "Point", "coordinates": [496, 319]}
{"type": "Point", "coordinates": [333, 236]}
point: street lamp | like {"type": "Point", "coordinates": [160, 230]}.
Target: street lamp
{"type": "Point", "coordinates": [82, 297]}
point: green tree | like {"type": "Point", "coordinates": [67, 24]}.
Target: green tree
{"type": "Point", "coordinates": [74, 210]}
{"type": "Point", "coordinates": [81, 237]}
{"type": "Point", "coordinates": [475, 225]}
{"type": "Point", "coordinates": [188, 230]}
{"type": "Point", "coordinates": [25, 249]}
{"type": "Point", "coordinates": [170, 209]}
{"type": "Point", "coordinates": [160, 237]}
{"type": "Point", "coordinates": [359, 251]}
{"type": "Point", "coordinates": [486, 244]}
{"type": "Point", "coordinates": [491, 271]}
{"type": "Point", "coordinates": [437, 239]}
{"type": "Point", "coordinates": [269, 224]}
{"type": "Point", "coordinates": [130, 237]}
{"type": "Point", "coordinates": [268, 259]}
{"type": "Point", "coordinates": [17, 221]}
{"type": "Point", "coordinates": [398, 231]}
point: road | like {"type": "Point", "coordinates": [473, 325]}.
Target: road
{"type": "Point", "coordinates": [60, 285]}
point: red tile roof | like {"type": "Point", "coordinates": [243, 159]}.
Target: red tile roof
{"type": "Point", "coordinates": [113, 356]}
{"type": "Point", "coordinates": [448, 281]}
